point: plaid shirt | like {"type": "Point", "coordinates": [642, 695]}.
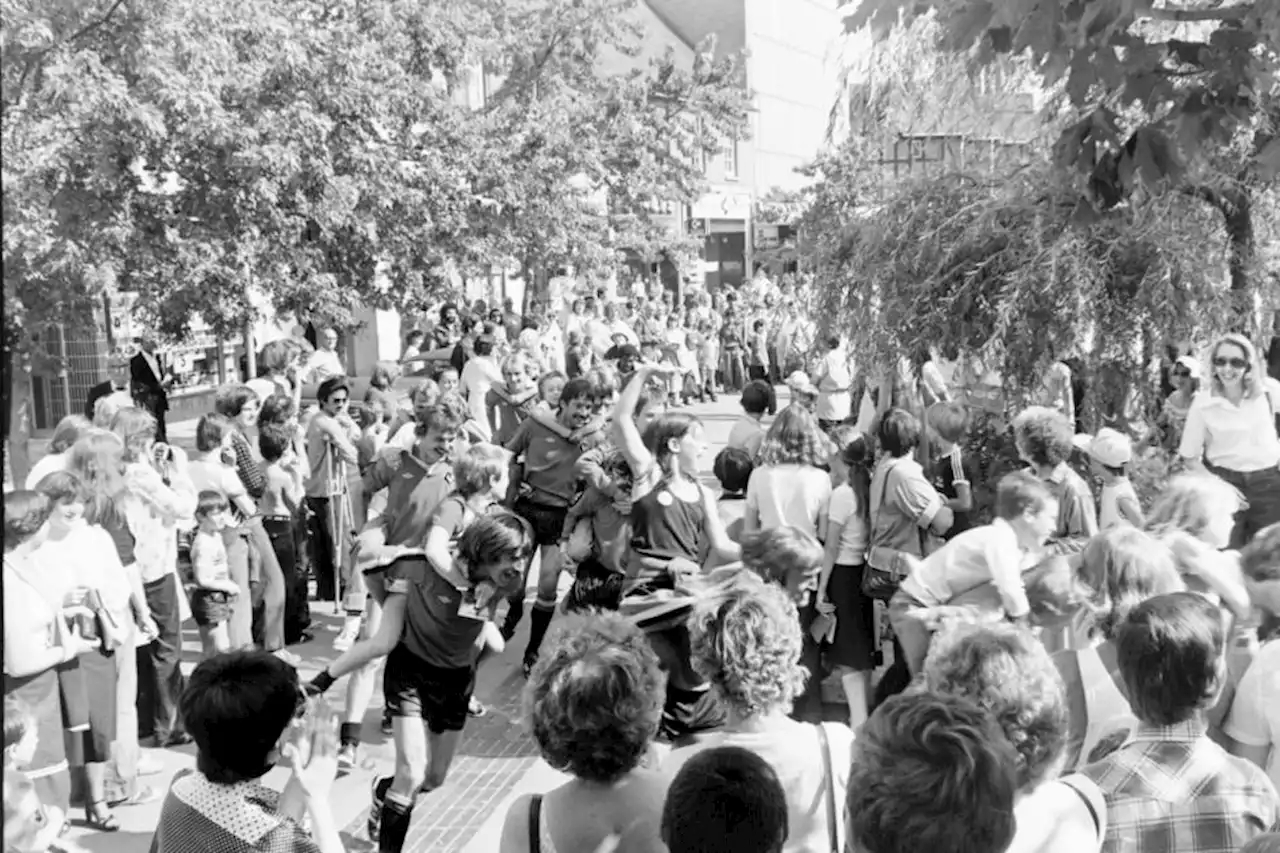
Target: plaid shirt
{"type": "Point", "coordinates": [1173, 790]}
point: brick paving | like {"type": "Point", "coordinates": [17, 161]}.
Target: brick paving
{"type": "Point", "coordinates": [494, 753]}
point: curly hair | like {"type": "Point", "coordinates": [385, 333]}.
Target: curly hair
{"type": "Point", "coordinates": [1005, 670]}
{"type": "Point", "coordinates": [277, 409]}
{"type": "Point", "coordinates": [747, 644]}
{"type": "Point", "coordinates": [594, 699]}
{"type": "Point", "coordinates": [1043, 436]}
{"type": "Point", "coordinates": [795, 439]}
{"type": "Point", "coordinates": [25, 512]}
{"type": "Point", "coordinates": [1120, 569]}
{"type": "Point", "coordinates": [1194, 503]}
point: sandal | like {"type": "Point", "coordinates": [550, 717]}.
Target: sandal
{"type": "Point", "coordinates": [98, 816]}
{"type": "Point", "coordinates": [142, 796]}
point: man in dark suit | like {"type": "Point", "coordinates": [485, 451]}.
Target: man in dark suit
{"type": "Point", "coordinates": [117, 382]}
{"type": "Point", "coordinates": [151, 382]}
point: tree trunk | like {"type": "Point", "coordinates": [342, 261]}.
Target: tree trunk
{"type": "Point", "coordinates": [1236, 207]}
{"type": "Point", "coordinates": [18, 444]}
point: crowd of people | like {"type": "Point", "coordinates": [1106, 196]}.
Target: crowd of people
{"type": "Point", "coordinates": [1072, 667]}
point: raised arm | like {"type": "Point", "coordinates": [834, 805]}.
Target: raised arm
{"type": "Point", "coordinates": [625, 433]}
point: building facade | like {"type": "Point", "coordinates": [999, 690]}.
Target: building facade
{"type": "Point", "coordinates": [791, 65]}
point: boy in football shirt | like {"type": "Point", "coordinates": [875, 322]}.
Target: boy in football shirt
{"type": "Point", "coordinates": [430, 673]}
{"type": "Point", "coordinates": [544, 483]}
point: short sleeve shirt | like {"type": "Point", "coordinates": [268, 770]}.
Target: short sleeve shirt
{"type": "Point", "coordinates": [434, 631]}
{"type": "Point", "coordinates": [954, 467]}
{"type": "Point", "coordinates": [1255, 713]}
{"type": "Point", "coordinates": [843, 510]}
{"type": "Point", "coordinates": [902, 502]}
{"type": "Point", "coordinates": [792, 495]}
{"type": "Point", "coordinates": [199, 816]}
{"type": "Point", "coordinates": [414, 491]}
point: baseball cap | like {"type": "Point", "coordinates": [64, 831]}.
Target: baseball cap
{"type": "Point", "coordinates": [1109, 447]}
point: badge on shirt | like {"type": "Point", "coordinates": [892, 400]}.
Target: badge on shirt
{"type": "Point", "coordinates": [665, 498]}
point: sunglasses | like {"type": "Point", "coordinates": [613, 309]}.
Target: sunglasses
{"type": "Point", "coordinates": [1237, 363]}
{"type": "Point", "coordinates": [1182, 373]}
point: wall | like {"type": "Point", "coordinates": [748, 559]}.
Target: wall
{"type": "Point", "coordinates": [792, 67]}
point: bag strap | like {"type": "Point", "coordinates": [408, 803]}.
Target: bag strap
{"type": "Point", "coordinates": [884, 493]}
{"type": "Point", "coordinates": [535, 824]}
{"type": "Point", "coordinates": [831, 788]}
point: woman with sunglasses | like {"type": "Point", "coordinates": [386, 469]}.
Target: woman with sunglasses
{"type": "Point", "coordinates": [1184, 382]}
{"type": "Point", "coordinates": [1232, 430]}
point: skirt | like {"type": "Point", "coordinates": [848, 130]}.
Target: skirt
{"type": "Point", "coordinates": [99, 678]}
{"type": "Point", "coordinates": [854, 645]}
{"type": "Point", "coordinates": [48, 767]}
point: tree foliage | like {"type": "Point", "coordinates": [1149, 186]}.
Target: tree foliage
{"type": "Point", "coordinates": [319, 151]}
{"type": "Point", "coordinates": [1162, 94]}
{"type": "Point", "coordinates": [998, 269]}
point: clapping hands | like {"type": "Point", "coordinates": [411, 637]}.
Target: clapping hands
{"type": "Point", "coordinates": [311, 749]}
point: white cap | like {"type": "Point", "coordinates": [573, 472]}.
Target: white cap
{"type": "Point", "coordinates": [1109, 447]}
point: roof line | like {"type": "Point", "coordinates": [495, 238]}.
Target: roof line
{"type": "Point", "coordinates": [666, 22]}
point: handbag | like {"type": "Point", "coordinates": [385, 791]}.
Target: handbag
{"type": "Point", "coordinates": [885, 567]}
{"type": "Point", "coordinates": [111, 631]}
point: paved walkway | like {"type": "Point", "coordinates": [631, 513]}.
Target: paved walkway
{"type": "Point", "coordinates": [496, 761]}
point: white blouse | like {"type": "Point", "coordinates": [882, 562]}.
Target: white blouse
{"type": "Point", "coordinates": [1237, 438]}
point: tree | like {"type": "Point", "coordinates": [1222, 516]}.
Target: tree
{"type": "Point", "coordinates": [1159, 90]}
{"type": "Point", "coordinates": [319, 151]}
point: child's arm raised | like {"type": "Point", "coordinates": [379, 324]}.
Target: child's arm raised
{"type": "Point", "coordinates": [625, 433]}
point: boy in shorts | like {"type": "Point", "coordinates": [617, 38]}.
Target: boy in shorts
{"type": "Point", "coordinates": [544, 483]}
{"type": "Point", "coordinates": [430, 673]}
{"type": "Point", "coordinates": [213, 589]}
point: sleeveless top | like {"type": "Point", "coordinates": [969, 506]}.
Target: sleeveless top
{"type": "Point", "coordinates": [664, 527]}
{"type": "Point", "coordinates": [540, 840]}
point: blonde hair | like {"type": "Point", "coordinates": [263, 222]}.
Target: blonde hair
{"type": "Point", "coordinates": [98, 460]}
{"type": "Point", "coordinates": [136, 429]}
{"type": "Point", "coordinates": [477, 468]}
{"type": "Point", "coordinates": [1255, 378]}
{"type": "Point", "coordinates": [520, 361]}
{"type": "Point", "coordinates": [106, 408]}
{"type": "Point", "coordinates": [1192, 503]}
{"type": "Point", "coordinates": [747, 644]}
{"type": "Point", "coordinates": [1120, 569]}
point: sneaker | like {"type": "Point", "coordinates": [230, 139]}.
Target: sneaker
{"type": "Point", "coordinates": [526, 666]}
{"type": "Point", "coordinates": [347, 636]}
{"type": "Point", "coordinates": [288, 657]}
{"type": "Point", "coordinates": [347, 756]}
{"type": "Point", "coordinates": [476, 708]}
{"type": "Point", "coordinates": [377, 793]}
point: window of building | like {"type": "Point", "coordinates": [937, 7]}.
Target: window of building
{"type": "Point", "coordinates": [730, 153]}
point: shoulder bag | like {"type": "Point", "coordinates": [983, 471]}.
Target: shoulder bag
{"type": "Point", "coordinates": [885, 567]}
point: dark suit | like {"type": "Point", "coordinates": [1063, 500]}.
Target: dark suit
{"type": "Point", "coordinates": [149, 390]}
{"type": "Point", "coordinates": [97, 392]}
